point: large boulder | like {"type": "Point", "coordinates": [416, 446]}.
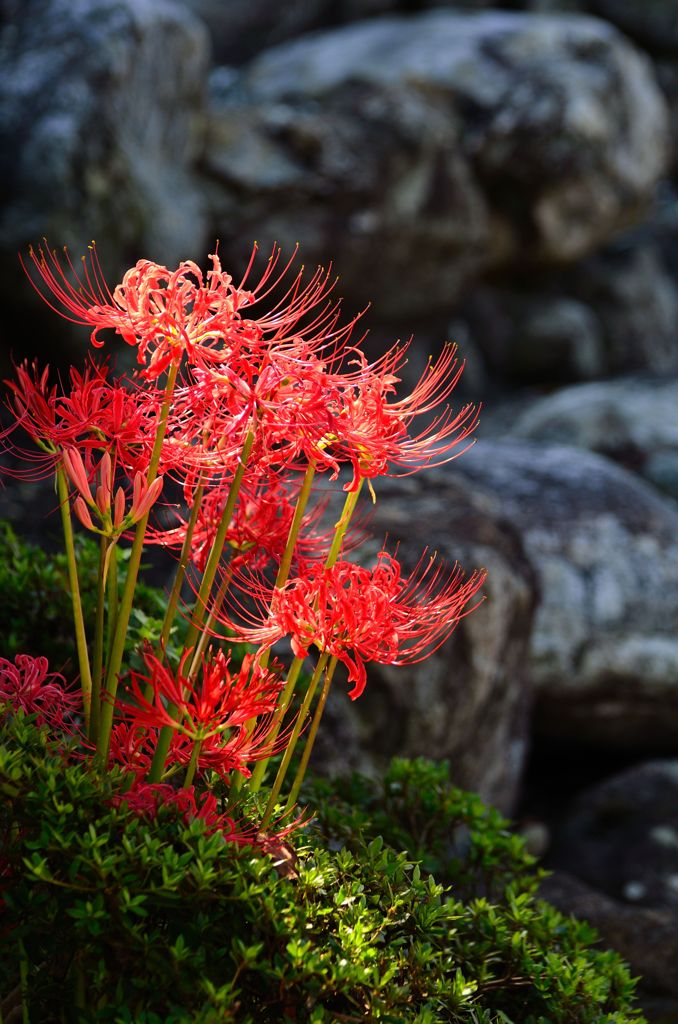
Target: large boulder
{"type": "Point", "coordinates": [470, 701]}
{"type": "Point", "coordinates": [101, 117]}
{"type": "Point", "coordinates": [621, 836]}
{"type": "Point", "coordinates": [632, 420]}
{"type": "Point", "coordinates": [484, 139]}
{"type": "Point", "coordinates": [613, 312]}
{"type": "Point", "coordinates": [604, 548]}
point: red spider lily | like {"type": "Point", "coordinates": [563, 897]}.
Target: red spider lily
{"type": "Point", "coordinates": [146, 799]}
{"type": "Point", "coordinates": [95, 415]}
{"type": "Point", "coordinates": [260, 525]}
{"type": "Point", "coordinates": [110, 510]}
{"type": "Point", "coordinates": [360, 615]}
{"type": "Point", "coordinates": [167, 314]}
{"type": "Point", "coordinates": [132, 747]}
{"type": "Point", "coordinates": [374, 433]}
{"type": "Point", "coordinates": [27, 684]}
{"type": "Point", "coordinates": [214, 711]}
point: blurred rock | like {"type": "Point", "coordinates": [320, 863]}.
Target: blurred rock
{"type": "Point", "coordinates": [470, 701]}
{"type": "Point", "coordinates": [101, 120]}
{"type": "Point", "coordinates": [635, 298]}
{"type": "Point", "coordinates": [241, 28]}
{"type": "Point", "coordinates": [485, 139]}
{"type": "Point", "coordinates": [557, 338]}
{"type": "Point", "coordinates": [614, 312]}
{"type": "Point", "coordinates": [621, 836]}
{"type": "Point", "coordinates": [631, 420]}
{"type": "Point", "coordinates": [652, 23]}
{"type": "Point", "coordinates": [604, 548]}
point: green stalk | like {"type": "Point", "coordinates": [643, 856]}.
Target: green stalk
{"type": "Point", "coordinates": [285, 697]}
{"type": "Point", "coordinates": [112, 601]}
{"type": "Point", "coordinates": [127, 600]}
{"type": "Point", "coordinates": [192, 764]}
{"type": "Point", "coordinates": [218, 545]}
{"type": "Point", "coordinates": [341, 526]}
{"type": "Point", "coordinates": [211, 622]}
{"type": "Point", "coordinates": [78, 619]}
{"type": "Point", "coordinates": [98, 652]}
{"type": "Point", "coordinates": [181, 568]}
{"type": "Point", "coordinates": [310, 740]}
{"type": "Point", "coordinates": [339, 532]}
{"type": "Point", "coordinates": [295, 526]}
{"type": "Point", "coordinates": [165, 737]}
{"type": "Point", "coordinates": [289, 750]}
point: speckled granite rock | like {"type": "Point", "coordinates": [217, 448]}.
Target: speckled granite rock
{"type": "Point", "coordinates": [485, 138]}
{"type": "Point", "coordinates": [604, 548]}
{"type": "Point", "coordinates": [632, 420]}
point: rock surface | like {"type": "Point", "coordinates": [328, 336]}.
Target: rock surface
{"type": "Point", "coordinates": [470, 701]}
{"type": "Point", "coordinates": [485, 138]}
{"type": "Point", "coordinates": [621, 836]}
{"type": "Point", "coordinates": [604, 548]}
{"type": "Point", "coordinates": [631, 420]}
{"type": "Point", "coordinates": [101, 115]}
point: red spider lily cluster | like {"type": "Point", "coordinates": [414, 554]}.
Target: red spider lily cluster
{"type": "Point", "coordinates": [243, 396]}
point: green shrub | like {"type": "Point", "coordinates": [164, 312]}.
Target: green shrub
{"type": "Point", "coordinates": [172, 925]}
{"type": "Point", "coordinates": [36, 612]}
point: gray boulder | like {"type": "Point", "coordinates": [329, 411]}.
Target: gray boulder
{"type": "Point", "coordinates": [101, 115]}
{"type": "Point", "coordinates": [483, 139]}
{"type": "Point", "coordinates": [621, 836]}
{"type": "Point", "coordinates": [604, 548]}
{"type": "Point", "coordinates": [470, 701]}
{"type": "Point", "coordinates": [653, 23]}
{"type": "Point", "coordinates": [631, 420]}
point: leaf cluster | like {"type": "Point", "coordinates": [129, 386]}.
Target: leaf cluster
{"type": "Point", "coordinates": [36, 613]}
{"type": "Point", "coordinates": [117, 919]}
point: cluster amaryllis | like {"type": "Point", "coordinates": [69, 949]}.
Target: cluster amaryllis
{"type": "Point", "coordinates": [362, 615]}
{"type": "Point", "coordinates": [26, 684]}
{"type": "Point", "coordinates": [212, 707]}
{"type": "Point", "coordinates": [243, 395]}
{"type": "Point", "coordinates": [168, 314]}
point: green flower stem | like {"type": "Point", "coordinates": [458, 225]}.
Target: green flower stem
{"type": "Point", "coordinates": [78, 619]}
{"type": "Point", "coordinates": [289, 750]}
{"type": "Point", "coordinates": [339, 532]}
{"type": "Point", "coordinates": [194, 630]}
{"type": "Point", "coordinates": [192, 764]}
{"type": "Point", "coordinates": [295, 526]}
{"type": "Point", "coordinates": [180, 574]}
{"type": "Point", "coordinates": [218, 545]}
{"type": "Point", "coordinates": [98, 652]}
{"type": "Point", "coordinates": [341, 526]}
{"type": "Point", "coordinates": [112, 583]}
{"type": "Point", "coordinates": [312, 733]}
{"type": "Point", "coordinates": [285, 697]}
{"type": "Point", "coordinates": [211, 624]}
{"type": "Point", "coordinates": [292, 537]}
{"type": "Point", "coordinates": [127, 600]}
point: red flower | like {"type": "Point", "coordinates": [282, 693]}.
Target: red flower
{"type": "Point", "coordinates": [167, 314]}
{"type": "Point", "coordinates": [27, 684]}
{"type": "Point", "coordinates": [146, 798]}
{"type": "Point", "coordinates": [214, 710]}
{"type": "Point", "coordinates": [375, 427]}
{"type": "Point", "coordinates": [360, 615]}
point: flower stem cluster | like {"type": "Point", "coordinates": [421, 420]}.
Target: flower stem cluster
{"type": "Point", "coordinates": [244, 396]}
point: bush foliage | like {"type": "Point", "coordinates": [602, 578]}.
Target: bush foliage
{"type": "Point", "coordinates": [170, 924]}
